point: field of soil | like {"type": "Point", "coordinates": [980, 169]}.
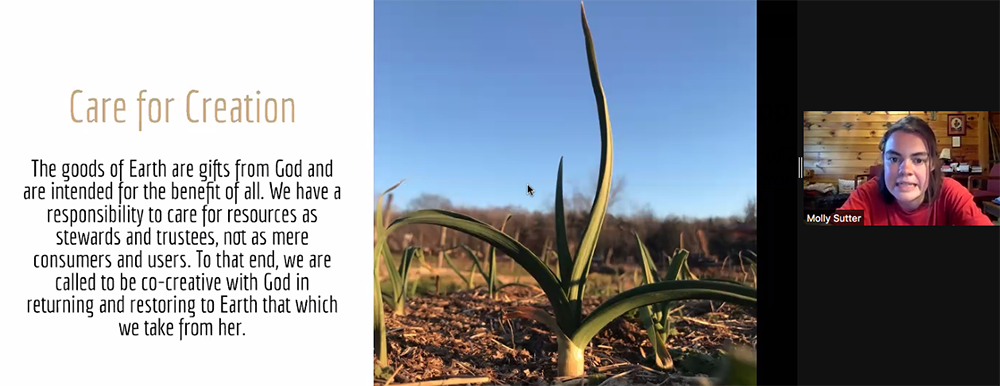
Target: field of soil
{"type": "Point", "coordinates": [455, 336]}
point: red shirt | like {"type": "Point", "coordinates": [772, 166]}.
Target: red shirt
{"type": "Point", "coordinates": [954, 206]}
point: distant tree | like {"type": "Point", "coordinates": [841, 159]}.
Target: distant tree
{"type": "Point", "coordinates": [581, 201]}
{"type": "Point", "coordinates": [430, 201]}
{"type": "Point", "coordinates": [750, 211]}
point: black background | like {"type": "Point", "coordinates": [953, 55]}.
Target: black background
{"type": "Point", "coordinates": [872, 305]}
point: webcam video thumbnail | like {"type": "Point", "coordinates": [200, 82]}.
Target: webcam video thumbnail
{"type": "Point", "coordinates": [925, 168]}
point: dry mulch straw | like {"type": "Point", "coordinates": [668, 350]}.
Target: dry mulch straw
{"type": "Point", "coordinates": [465, 335]}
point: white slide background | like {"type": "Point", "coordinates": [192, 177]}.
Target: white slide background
{"type": "Point", "coordinates": [319, 53]}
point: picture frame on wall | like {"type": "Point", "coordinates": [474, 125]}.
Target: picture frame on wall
{"type": "Point", "coordinates": [956, 124]}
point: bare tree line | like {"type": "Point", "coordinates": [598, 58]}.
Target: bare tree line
{"type": "Point", "coordinates": [708, 239]}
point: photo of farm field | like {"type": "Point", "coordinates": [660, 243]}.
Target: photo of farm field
{"type": "Point", "coordinates": [471, 295]}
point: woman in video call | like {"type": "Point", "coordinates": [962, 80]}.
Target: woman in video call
{"type": "Point", "coordinates": [911, 189]}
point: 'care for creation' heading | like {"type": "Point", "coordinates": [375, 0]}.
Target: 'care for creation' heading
{"type": "Point", "coordinates": [196, 109]}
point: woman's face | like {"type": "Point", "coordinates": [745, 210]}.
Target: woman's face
{"type": "Point", "coordinates": [907, 168]}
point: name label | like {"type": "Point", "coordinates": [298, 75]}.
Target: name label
{"type": "Point", "coordinates": [840, 217]}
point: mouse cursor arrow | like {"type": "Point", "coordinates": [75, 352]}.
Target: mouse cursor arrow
{"type": "Point", "coordinates": [531, 192]}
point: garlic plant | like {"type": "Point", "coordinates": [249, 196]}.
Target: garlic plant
{"type": "Point", "coordinates": [399, 278]}
{"type": "Point", "coordinates": [656, 317]}
{"type": "Point", "coordinates": [468, 280]}
{"type": "Point", "coordinates": [489, 275]}
{"type": "Point", "coordinates": [572, 328]}
{"type": "Point", "coordinates": [752, 263]}
{"type": "Point", "coordinates": [382, 364]}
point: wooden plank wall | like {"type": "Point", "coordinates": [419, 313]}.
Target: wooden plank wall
{"type": "Point", "coordinates": [995, 118]}
{"type": "Point", "coordinates": [842, 144]}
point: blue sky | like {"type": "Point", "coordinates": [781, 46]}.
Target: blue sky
{"type": "Point", "coordinates": [475, 99]}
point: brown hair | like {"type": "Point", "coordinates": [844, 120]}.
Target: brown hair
{"type": "Point", "coordinates": [914, 125]}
